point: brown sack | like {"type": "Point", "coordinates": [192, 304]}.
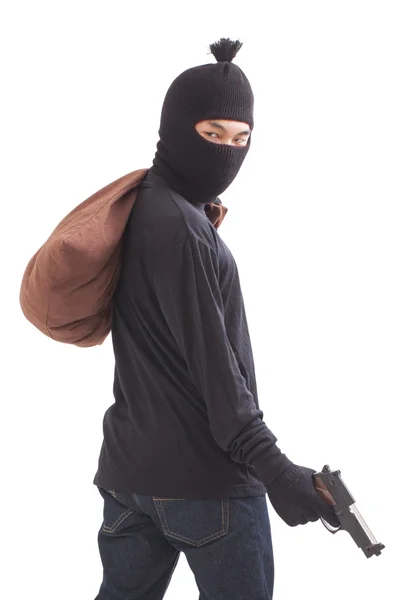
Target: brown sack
{"type": "Point", "coordinates": [67, 287]}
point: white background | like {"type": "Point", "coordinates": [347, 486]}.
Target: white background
{"type": "Point", "coordinates": [313, 223]}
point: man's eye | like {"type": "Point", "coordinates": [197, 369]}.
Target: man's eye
{"type": "Point", "coordinates": [210, 133]}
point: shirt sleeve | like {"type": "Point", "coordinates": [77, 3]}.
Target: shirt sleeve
{"type": "Point", "coordinates": [187, 288]}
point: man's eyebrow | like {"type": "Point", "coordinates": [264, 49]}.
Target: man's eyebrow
{"type": "Point", "coordinates": [219, 126]}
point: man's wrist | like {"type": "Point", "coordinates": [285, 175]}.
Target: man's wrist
{"type": "Point", "coordinates": [269, 465]}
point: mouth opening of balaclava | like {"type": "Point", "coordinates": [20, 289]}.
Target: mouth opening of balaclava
{"type": "Point", "coordinates": [198, 169]}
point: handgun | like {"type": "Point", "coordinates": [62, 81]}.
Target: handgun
{"type": "Point", "coordinates": [331, 487]}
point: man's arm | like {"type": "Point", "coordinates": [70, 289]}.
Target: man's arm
{"type": "Point", "coordinates": [187, 288]}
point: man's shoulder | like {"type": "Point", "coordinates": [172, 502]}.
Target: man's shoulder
{"type": "Point", "coordinates": [169, 216]}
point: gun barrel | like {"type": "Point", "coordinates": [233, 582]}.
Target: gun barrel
{"type": "Point", "coordinates": [374, 549]}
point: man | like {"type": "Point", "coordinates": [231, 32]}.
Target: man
{"type": "Point", "coordinates": [187, 458]}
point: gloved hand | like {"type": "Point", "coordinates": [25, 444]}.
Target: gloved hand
{"type": "Point", "coordinates": [295, 499]}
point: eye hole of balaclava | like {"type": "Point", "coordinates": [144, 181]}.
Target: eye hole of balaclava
{"type": "Point", "coordinates": [222, 131]}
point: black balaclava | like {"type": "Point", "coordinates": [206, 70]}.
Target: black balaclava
{"type": "Point", "coordinates": [197, 169]}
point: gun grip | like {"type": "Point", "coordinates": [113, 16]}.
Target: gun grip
{"type": "Point", "coordinates": [323, 491]}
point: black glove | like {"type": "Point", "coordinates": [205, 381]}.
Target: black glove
{"type": "Point", "coordinates": [295, 499]}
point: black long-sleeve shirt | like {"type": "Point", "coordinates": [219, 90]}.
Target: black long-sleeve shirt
{"type": "Point", "coordinates": [186, 420]}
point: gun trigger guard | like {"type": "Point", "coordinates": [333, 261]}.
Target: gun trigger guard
{"type": "Point", "coordinates": [329, 527]}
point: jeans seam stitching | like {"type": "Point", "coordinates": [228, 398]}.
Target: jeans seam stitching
{"type": "Point", "coordinates": [161, 514]}
{"type": "Point", "coordinates": [155, 498]}
{"type": "Point", "coordinates": [225, 505]}
{"type": "Point", "coordinates": [137, 502]}
{"type": "Point", "coordinates": [118, 522]}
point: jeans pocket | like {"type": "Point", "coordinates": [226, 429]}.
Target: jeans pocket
{"type": "Point", "coordinates": [195, 522]}
{"type": "Point", "coordinates": [114, 513]}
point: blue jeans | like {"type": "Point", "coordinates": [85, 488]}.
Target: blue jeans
{"type": "Point", "coordinates": [227, 544]}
